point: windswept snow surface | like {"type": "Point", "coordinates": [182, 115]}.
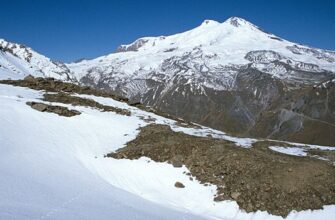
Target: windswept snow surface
{"type": "Point", "coordinates": [53, 167]}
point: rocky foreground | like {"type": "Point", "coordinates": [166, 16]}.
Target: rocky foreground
{"type": "Point", "coordinates": [258, 178]}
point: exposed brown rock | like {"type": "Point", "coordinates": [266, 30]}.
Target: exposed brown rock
{"type": "Point", "coordinates": [235, 195]}
{"type": "Point", "coordinates": [64, 89]}
{"type": "Point", "coordinates": [179, 185]}
{"type": "Point", "coordinates": [74, 100]}
{"type": "Point", "coordinates": [29, 78]}
{"type": "Point", "coordinates": [38, 106]}
{"type": "Point", "coordinates": [257, 178]}
{"type": "Point", "coordinates": [59, 110]}
{"type": "Point", "coordinates": [176, 161]}
{"type": "Point", "coordinates": [52, 85]}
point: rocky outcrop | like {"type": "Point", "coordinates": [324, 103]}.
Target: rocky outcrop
{"type": "Point", "coordinates": [59, 110]}
{"type": "Point", "coordinates": [256, 178]}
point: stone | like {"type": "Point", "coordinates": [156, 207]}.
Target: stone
{"type": "Point", "coordinates": [29, 78]}
{"type": "Point", "coordinates": [235, 195]}
{"type": "Point", "coordinates": [134, 103]}
{"type": "Point", "coordinates": [176, 161]}
{"type": "Point", "coordinates": [179, 185]}
{"type": "Point", "coordinates": [38, 106]}
{"type": "Point", "coordinates": [220, 158]}
{"type": "Point", "coordinates": [249, 207]}
{"type": "Point", "coordinates": [60, 110]}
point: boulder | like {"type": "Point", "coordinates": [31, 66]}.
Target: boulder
{"type": "Point", "coordinates": [179, 185]}
{"type": "Point", "coordinates": [29, 78]}
{"type": "Point", "coordinates": [235, 195]}
{"type": "Point", "coordinates": [38, 106]}
{"type": "Point", "coordinates": [176, 161]}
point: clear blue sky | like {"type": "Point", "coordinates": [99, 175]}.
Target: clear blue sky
{"type": "Point", "coordinates": [67, 30]}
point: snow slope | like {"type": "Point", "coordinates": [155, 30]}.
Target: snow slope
{"type": "Point", "coordinates": [53, 167]}
{"type": "Point", "coordinates": [43, 165]}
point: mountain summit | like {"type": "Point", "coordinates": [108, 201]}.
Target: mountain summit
{"type": "Point", "coordinates": [236, 21]}
{"type": "Point", "coordinates": [210, 33]}
{"type": "Point", "coordinates": [208, 22]}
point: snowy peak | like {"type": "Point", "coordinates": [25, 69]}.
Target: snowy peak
{"type": "Point", "coordinates": [210, 55]}
{"type": "Point", "coordinates": [208, 33]}
{"type": "Point", "coordinates": [233, 21]}
{"type": "Point", "coordinates": [17, 61]}
{"type": "Point", "coordinates": [231, 25]}
{"type": "Point", "coordinates": [237, 22]}
{"type": "Point", "coordinates": [135, 45]}
{"type": "Point", "coordinates": [18, 50]}
{"type": "Point", "coordinates": [210, 47]}
{"type": "Point", "coordinates": [209, 22]}
{"type": "Point", "coordinates": [145, 42]}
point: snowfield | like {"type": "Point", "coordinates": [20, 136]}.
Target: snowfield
{"type": "Point", "coordinates": [46, 164]}
{"type": "Point", "coordinates": [53, 167]}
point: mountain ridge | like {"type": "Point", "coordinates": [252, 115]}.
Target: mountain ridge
{"type": "Point", "coordinates": [225, 75]}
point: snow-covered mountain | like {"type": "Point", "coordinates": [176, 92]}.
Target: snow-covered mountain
{"type": "Point", "coordinates": [231, 76]}
{"type": "Point", "coordinates": [209, 56]}
{"type": "Point", "coordinates": [18, 61]}
{"type": "Point", "coordinates": [225, 75]}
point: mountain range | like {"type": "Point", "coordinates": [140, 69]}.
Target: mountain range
{"type": "Point", "coordinates": [231, 76]}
